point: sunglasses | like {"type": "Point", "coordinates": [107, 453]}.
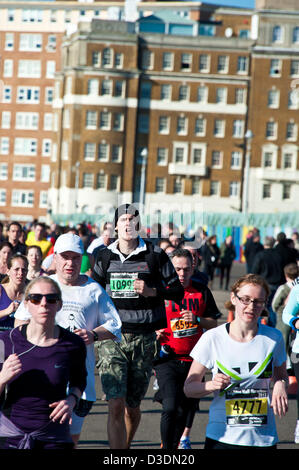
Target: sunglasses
{"type": "Point", "coordinates": [37, 298]}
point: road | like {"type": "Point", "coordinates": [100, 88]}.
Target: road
{"type": "Point", "coordinates": [94, 433]}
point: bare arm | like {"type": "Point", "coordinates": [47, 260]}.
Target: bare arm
{"type": "Point", "coordinates": [194, 386]}
{"type": "Point", "coordinates": [279, 401]}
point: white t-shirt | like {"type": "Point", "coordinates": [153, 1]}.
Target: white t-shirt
{"type": "Point", "coordinates": [242, 415]}
{"type": "Point", "coordinates": [95, 244]}
{"type": "Point", "coordinates": [86, 306]}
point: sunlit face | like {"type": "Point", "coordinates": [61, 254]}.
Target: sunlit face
{"type": "Point", "coordinates": [5, 254]}
{"type": "Point", "coordinates": [256, 296]}
{"type": "Point", "coordinates": [68, 266]}
{"type": "Point", "coordinates": [43, 312]}
{"type": "Point", "coordinates": [184, 269]}
{"type": "Point", "coordinates": [34, 257]}
{"type": "Point", "coordinates": [18, 271]}
{"type": "Point", "coordinates": [14, 233]}
{"type": "Point", "coordinates": [126, 227]}
{"type": "Point", "coordinates": [38, 232]}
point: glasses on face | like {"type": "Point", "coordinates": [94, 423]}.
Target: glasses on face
{"type": "Point", "coordinates": [37, 298]}
{"type": "Point", "coordinates": [247, 301]}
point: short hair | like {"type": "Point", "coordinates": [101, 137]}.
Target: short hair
{"type": "Point", "coordinates": [46, 279]}
{"type": "Point", "coordinates": [181, 253]}
{"type": "Point", "coordinates": [254, 279]}
{"type": "Point", "coordinates": [14, 223]}
{"type": "Point", "coordinates": [269, 241]}
{"type": "Point", "coordinates": [38, 248]}
{"type": "Point", "coordinates": [291, 270]}
{"type": "Point", "coordinates": [17, 256]}
{"type": "Point", "coordinates": [5, 243]}
{"type": "Point", "coordinates": [281, 237]}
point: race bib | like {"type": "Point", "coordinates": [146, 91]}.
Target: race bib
{"type": "Point", "coordinates": [122, 285]}
{"type": "Point", "coordinates": [181, 328]}
{"type": "Point", "coordinates": [246, 407]}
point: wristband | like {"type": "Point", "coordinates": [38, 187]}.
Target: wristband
{"type": "Point", "coordinates": [95, 336]}
{"type": "Point", "coordinates": [198, 319]}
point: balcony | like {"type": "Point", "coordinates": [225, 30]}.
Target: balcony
{"type": "Point", "coordinates": [278, 174]}
{"type": "Point", "coordinates": [187, 170]}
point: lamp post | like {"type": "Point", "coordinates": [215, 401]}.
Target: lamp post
{"type": "Point", "coordinates": [143, 161]}
{"type": "Point", "coordinates": [248, 138]}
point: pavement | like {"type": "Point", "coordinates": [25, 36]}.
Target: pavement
{"type": "Point", "coordinates": [94, 433]}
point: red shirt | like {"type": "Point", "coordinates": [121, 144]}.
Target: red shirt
{"type": "Point", "coordinates": [182, 336]}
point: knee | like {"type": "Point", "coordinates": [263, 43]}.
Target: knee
{"type": "Point", "coordinates": [116, 408]}
{"type": "Point", "coordinates": [169, 407]}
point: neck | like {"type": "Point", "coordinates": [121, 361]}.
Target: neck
{"type": "Point", "coordinates": [242, 333]}
{"type": "Point", "coordinates": [127, 246]}
{"type": "Point", "coordinates": [39, 334]}
{"type": "Point", "coordinates": [15, 290]}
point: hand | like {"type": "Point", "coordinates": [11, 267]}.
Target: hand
{"type": "Point", "coordinates": [161, 335]}
{"type": "Point", "coordinates": [12, 366]}
{"type": "Point", "coordinates": [188, 316]}
{"type": "Point", "coordinates": [63, 410]}
{"type": "Point", "coordinates": [142, 289]}
{"type": "Point", "coordinates": [220, 381]}
{"type": "Point", "coordinates": [279, 400]}
{"type": "Point", "coordinates": [86, 335]}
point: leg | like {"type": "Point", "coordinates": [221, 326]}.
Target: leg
{"type": "Point", "coordinates": [116, 426]}
{"type": "Point", "coordinates": [132, 420]}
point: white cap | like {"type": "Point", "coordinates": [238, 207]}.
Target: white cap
{"type": "Point", "coordinates": [69, 242]}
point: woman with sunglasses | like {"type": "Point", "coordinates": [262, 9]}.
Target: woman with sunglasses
{"type": "Point", "coordinates": [12, 290]}
{"type": "Point", "coordinates": [249, 377]}
{"type": "Point", "coordinates": [44, 374]}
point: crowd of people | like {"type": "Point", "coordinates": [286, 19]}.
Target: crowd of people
{"type": "Point", "coordinates": [133, 303]}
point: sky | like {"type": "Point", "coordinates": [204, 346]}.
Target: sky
{"type": "Point", "coordinates": [234, 3]}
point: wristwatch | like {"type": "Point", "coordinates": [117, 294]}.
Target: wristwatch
{"type": "Point", "coordinates": [76, 398]}
{"type": "Point", "coordinates": [95, 336]}
{"type": "Point", "coordinates": [198, 319]}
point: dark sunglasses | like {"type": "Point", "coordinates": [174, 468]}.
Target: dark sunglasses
{"type": "Point", "coordinates": [37, 298]}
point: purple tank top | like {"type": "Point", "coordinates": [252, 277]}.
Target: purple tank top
{"type": "Point", "coordinates": [6, 323]}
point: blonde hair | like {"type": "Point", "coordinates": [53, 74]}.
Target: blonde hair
{"type": "Point", "coordinates": [48, 280]}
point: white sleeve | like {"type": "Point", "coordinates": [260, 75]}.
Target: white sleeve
{"type": "Point", "coordinates": [22, 313]}
{"type": "Point", "coordinates": [202, 351]}
{"type": "Point", "coordinates": [108, 315]}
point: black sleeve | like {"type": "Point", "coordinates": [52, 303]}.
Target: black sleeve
{"type": "Point", "coordinates": [170, 288]}
{"type": "Point", "coordinates": [78, 372]}
{"type": "Point", "coordinates": [98, 273]}
{"type": "Point", "coordinates": [211, 310]}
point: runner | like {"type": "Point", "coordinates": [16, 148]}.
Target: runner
{"type": "Point", "coordinates": [245, 358]}
{"type": "Point", "coordinates": [138, 277]}
{"type": "Point", "coordinates": [186, 321]}
{"type": "Point", "coordinates": [86, 310]}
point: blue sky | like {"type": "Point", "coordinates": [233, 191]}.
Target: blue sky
{"type": "Point", "coordinates": [234, 3]}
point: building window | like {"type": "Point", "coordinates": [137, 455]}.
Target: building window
{"type": "Point", "coordinates": [4, 145]}
{"type": "Point", "coordinates": [178, 186]}
{"type": "Point", "coordinates": [160, 185]}
{"type": "Point", "coordinates": [216, 159]}
{"type": "Point", "coordinates": [266, 191]}
{"type": "Point", "coordinates": [24, 173]}
{"type": "Point", "coordinates": [27, 121]}
{"type": "Point", "coordinates": [3, 171]}
{"type": "Point", "coordinates": [45, 173]}
{"type": "Point", "coordinates": [28, 95]}
{"type": "Point", "coordinates": [195, 185]}
{"type": "Point", "coordinates": [240, 94]}
{"type": "Point", "coordinates": [162, 156]}
{"type": "Point", "coordinates": [25, 146]}
{"type": "Point", "coordinates": [9, 41]}
{"type": "Point", "coordinates": [107, 57]}
{"type": "Point", "coordinates": [200, 126]}
{"type": "Point", "coordinates": [32, 16]}
{"type": "Point", "coordinates": [22, 198]}
{"type": "Point", "coordinates": [143, 123]}
{"type": "Point", "coordinates": [91, 119]}
{"type": "Point", "coordinates": [183, 93]}
{"type": "Point", "coordinates": [48, 122]}
{"type": "Point", "coordinates": [116, 153]}
{"type": "Point", "coordinates": [105, 120]}
{"type": "Point", "coordinates": [65, 150]}
{"type": "Point", "coordinates": [186, 62]}
{"type": "Point", "coordinates": [291, 133]}
{"type": "Point", "coordinates": [101, 181]}
{"type": "Point", "coordinates": [114, 182]}
{"type": "Point", "coordinates": [296, 34]}
{"type": "Point", "coordinates": [50, 68]}
{"type": "Point", "coordinates": [147, 60]}
{"type": "Point", "coordinates": [29, 68]}
{"type": "Point", "coordinates": [6, 117]}
{"type": "Point", "coordinates": [295, 68]}
{"type": "Point", "coordinates": [8, 68]}
{"type": "Point", "coordinates": [222, 64]}
{"type": "Point", "coordinates": [275, 67]}
{"type": "Point", "coordinates": [145, 90]}
{"type": "Point", "coordinates": [204, 63]}
{"type": "Point", "coordinates": [234, 189]}
{"type": "Point", "coordinates": [287, 161]}
{"type": "Point", "coordinates": [286, 191]}
{"type": "Point", "coordinates": [221, 95]}
{"type": "Point", "coordinates": [242, 65]}
{"type": "Point", "coordinates": [119, 88]}
{"type": "Point", "coordinates": [46, 147]}
{"type": "Point", "coordinates": [268, 160]}
{"type": "Point", "coordinates": [96, 58]}
{"type": "Point", "coordinates": [238, 128]}
{"type": "Point", "coordinates": [2, 197]}
{"type": "Point", "coordinates": [103, 152]}
{"type": "Point", "coordinates": [106, 88]}
{"type": "Point", "coordinates": [236, 160]}
{"type": "Point", "coordinates": [197, 156]}
{"type": "Point", "coordinates": [165, 93]}
{"type": "Point", "coordinates": [167, 61]}
{"type": "Point", "coordinates": [118, 121]}
{"type": "Point", "coordinates": [202, 94]}
{"type": "Point", "coordinates": [93, 86]}
{"type": "Point", "coordinates": [30, 42]}
{"type": "Point", "coordinates": [214, 188]}
{"type": "Point", "coordinates": [277, 34]}
{"type": "Point", "coordinates": [43, 199]}
{"type": "Point", "coordinates": [87, 180]}
{"type": "Point", "coordinates": [118, 60]}
{"type": "Point", "coordinates": [49, 92]}
{"type": "Point", "coordinates": [7, 94]}
{"type": "Point", "coordinates": [163, 125]}
{"type": "Point", "coordinates": [293, 99]}
{"type": "Point", "coordinates": [10, 15]}
{"type": "Point", "coordinates": [273, 99]}
{"type": "Point", "coordinates": [271, 130]}
{"type": "Point", "coordinates": [51, 45]}
{"type": "Point", "coordinates": [219, 128]}
{"type": "Point", "coordinates": [182, 125]}
{"type": "Point", "coordinates": [89, 151]}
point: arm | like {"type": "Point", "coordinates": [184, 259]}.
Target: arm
{"type": "Point", "coordinates": [291, 310]}
{"type": "Point", "coordinates": [205, 322]}
{"type": "Point", "coordinates": [194, 386]}
{"type": "Point", "coordinates": [279, 400]}
{"type": "Point", "coordinates": [10, 369]}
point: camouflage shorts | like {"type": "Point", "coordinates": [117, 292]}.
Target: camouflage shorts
{"type": "Point", "coordinates": [125, 368]}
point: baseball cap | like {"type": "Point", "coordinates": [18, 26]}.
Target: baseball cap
{"type": "Point", "coordinates": [69, 242]}
{"type": "Point", "coordinates": [127, 209]}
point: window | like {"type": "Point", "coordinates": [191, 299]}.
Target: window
{"type": "Point", "coordinates": [166, 92]}
{"type": "Point", "coordinates": [221, 95]}
{"type": "Point", "coordinates": [6, 117]}
{"type": "Point", "coordinates": [180, 153]}
{"type": "Point", "coordinates": [186, 62]}
{"type": "Point", "coordinates": [219, 128]}
{"type": "Point", "coordinates": [50, 68]}
{"type": "Point", "coordinates": [271, 129]}
{"type": "Point", "coordinates": [29, 68]}
{"type": "Point", "coordinates": [27, 121]}
{"type": "Point", "coordinates": [25, 146]}
{"type": "Point", "coordinates": [48, 122]}
{"type": "Point", "coordinates": [145, 90]}
{"type": "Point", "coordinates": [89, 151]}
{"type": "Point", "coordinates": [167, 61]}
{"type": "Point", "coordinates": [266, 191]}
{"type": "Point", "coordinates": [216, 159]}
{"type": "Point", "coordinates": [182, 124]}
{"type": "Point", "coordinates": [178, 186]}
{"type": "Point", "coordinates": [32, 16]}
{"type": "Point", "coordinates": [30, 42]}
{"type": "Point", "coordinates": [51, 45]}
{"type": "Point", "coordinates": [4, 145]}
{"type": "Point", "coordinates": [240, 94]}
{"type": "Point", "coordinates": [45, 173]}
{"type": "Point", "coordinates": [200, 126]}
{"type": "Point", "coordinates": [195, 185]}
{"type": "Point", "coordinates": [147, 60]}
{"type": "Point", "coordinates": [107, 57]}
{"type": "Point", "coordinates": [162, 156]}
{"type": "Point", "coordinates": [202, 94]}
{"type": "Point", "coordinates": [9, 41]}
{"type": "Point", "coordinates": [214, 188]}
{"type": "Point", "coordinates": [277, 34]}
{"type": "Point", "coordinates": [275, 67]}
{"type": "Point", "coordinates": [234, 189]}
{"type": "Point", "coordinates": [183, 93]}
{"type": "Point", "coordinates": [93, 86]}
{"type": "Point", "coordinates": [268, 159]}
{"type": "Point", "coordinates": [204, 63]}
{"type": "Point", "coordinates": [46, 147]}
{"type": "Point", "coordinates": [101, 181]}
{"type": "Point", "coordinates": [118, 60]}
{"type": "Point", "coordinates": [114, 182]}
{"type": "Point", "coordinates": [295, 67]}
{"type": "Point", "coordinates": [22, 198]}
{"type": "Point", "coordinates": [8, 68]}
{"type": "Point", "coordinates": [242, 65]}
{"type": "Point", "coordinates": [10, 14]}
{"type": "Point", "coordinates": [105, 120]}
{"type": "Point", "coordinates": [143, 123]}
{"type": "Point", "coordinates": [296, 34]}
{"type": "Point", "coordinates": [96, 58]}
{"type": "Point", "coordinates": [49, 92]}
{"type": "Point", "coordinates": [87, 180]}
{"type": "Point", "coordinates": [24, 172]}
{"type": "Point", "coordinates": [28, 95]}
{"type": "Point", "coordinates": [286, 191]}
{"type": "Point", "coordinates": [43, 199]}
{"type": "Point", "coordinates": [106, 88]}
{"type": "Point", "coordinates": [118, 121]}
{"type": "Point", "coordinates": [287, 161]}
{"type": "Point", "coordinates": [65, 150]}
{"type": "Point", "coordinates": [119, 89]}
{"type": "Point", "coordinates": [7, 94]}
{"type": "Point", "coordinates": [197, 157]}
{"type": "Point", "coordinates": [116, 153]}
{"type": "Point", "coordinates": [2, 197]}
{"type": "Point", "coordinates": [222, 65]}
{"type": "Point", "coordinates": [160, 185]}
{"type": "Point", "coordinates": [236, 159]}
{"type": "Point", "coordinates": [291, 133]}
{"type": "Point", "coordinates": [3, 171]}
{"type": "Point", "coordinates": [91, 119]}
{"type": "Point", "coordinates": [103, 152]}
{"type": "Point", "coordinates": [163, 125]}
{"type": "Point", "coordinates": [293, 99]}
{"type": "Point", "coordinates": [273, 98]}
{"type": "Point", "coordinates": [238, 128]}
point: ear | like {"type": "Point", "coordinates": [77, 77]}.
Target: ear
{"type": "Point", "coordinates": [233, 298]}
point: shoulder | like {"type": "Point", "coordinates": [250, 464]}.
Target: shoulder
{"type": "Point", "coordinates": [71, 338]}
{"type": "Point", "coordinates": [270, 332]}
